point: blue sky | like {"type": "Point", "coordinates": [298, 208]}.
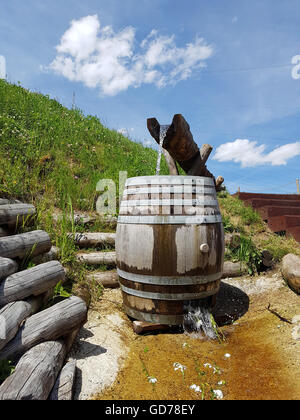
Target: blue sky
{"type": "Point", "coordinates": [226, 66]}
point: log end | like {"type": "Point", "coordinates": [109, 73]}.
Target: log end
{"type": "Point", "coordinates": [141, 327]}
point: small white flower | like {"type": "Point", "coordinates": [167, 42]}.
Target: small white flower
{"type": "Point", "coordinates": [207, 365]}
{"type": "Point", "coordinates": [152, 380]}
{"type": "Point", "coordinates": [196, 388]}
{"type": "Point", "coordinates": [216, 370]}
{"type": "Point", "coordinates": [179, 366]}
{"type": "Point", "coordinates": [218, 394]}
{"type": "Point", "coordinates": [227, 355]}
{"type": "Point", "coordinates": [184, 345]}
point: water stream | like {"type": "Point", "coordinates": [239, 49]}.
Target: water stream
{"type": "Point", "coordinates": [198, 319]}
{"type": "Point", "coordinates": [162, 134]}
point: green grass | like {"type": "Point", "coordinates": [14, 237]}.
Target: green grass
{"type": "Point", "coordinates": [51, 153]}
{"type": "Point", "coordinates": [237, 216]}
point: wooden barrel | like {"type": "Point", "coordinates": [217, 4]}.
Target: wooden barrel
{"type": "Point", "coordinates": [169, 245]}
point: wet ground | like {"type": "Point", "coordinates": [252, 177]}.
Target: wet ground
{"type": "Point", "coordinates": [258, 359]}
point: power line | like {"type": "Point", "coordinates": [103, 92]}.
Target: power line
{"type": "Point", "coordinates": [245, 69]}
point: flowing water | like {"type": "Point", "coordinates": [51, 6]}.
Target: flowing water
{"type": "Point", "coordinates": [198, 319]}
{"type": "Point", "coordinates": [162, 134]}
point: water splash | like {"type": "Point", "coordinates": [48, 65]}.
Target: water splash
{"type": "Point", "coordinates": [198, 319]}
{"type": "Point", "coordinates": [162, 134]}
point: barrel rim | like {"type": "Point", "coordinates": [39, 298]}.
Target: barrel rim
{"type": "Point", "coordinates": [170, 178]}
{"type": "Point", "coordinates": [169, 296]}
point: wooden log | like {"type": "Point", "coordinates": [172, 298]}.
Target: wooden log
{"type": "Point", "coordinates": [64, 385]}
{"type": "Point", "coordinates": [83, 219]}
{"type": "Point", "coordinates": [35, 373]}
{"type": "Point", "coordinates": [234, 269]}
{"type": "Point", "coordinates": [48, 256]}
{"type": "Point", "coordinates": [181, 146]}
{"type": "Point", "coordinates": [93, 239]}
{"type": "Point", "coordinates": [97, 258]}
{"type": "Point", "coordinates": [15, 213]}
{"type": "Point", "coordinates": [140, 327]}
{"type": "Point", "coordinates": [179, 140]}
{"type": "Point", "coordinates": [107, 279]}
{"type": "Point", "coordinates": [32, 281]}
{"type": "Point", "coordinates": [13, 314]}
{"type": "Point", "coordinates": [7, 267]}
{"type": "Point", "coordinates": [52, 323]}
{"type": "Point", "coordinates": [25, 244]}
{"type": "Point", "coordinates": [5, 201]}
{"type": "Point", "coordinates": [199, 161]}
{"type": "Point", "coordinates": [219, 182]}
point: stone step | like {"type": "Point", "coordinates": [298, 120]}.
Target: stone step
{"type": "Point", "coordinates": [272, 211]}
{"type": "Point", "coordinates": [281, 223]}
{"type": "Point", "coordinates": [262, 202]}
{"type": "Point", "coordinates": [294, 232]}
{"type": "Point", "coordinates": [250, 196]}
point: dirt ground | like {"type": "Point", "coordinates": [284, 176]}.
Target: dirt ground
{"type": "Point", "coordinates": [258, 358]}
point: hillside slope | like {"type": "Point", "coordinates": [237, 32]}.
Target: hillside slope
{"type": "Point", "coordinates": [48, 151]}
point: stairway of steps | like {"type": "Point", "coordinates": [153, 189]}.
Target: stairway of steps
{"type": "Point", "coordinates": [280, 211]}
{"type": "Point", "coordinates": [93, 256]}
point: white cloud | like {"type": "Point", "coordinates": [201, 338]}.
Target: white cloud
{"type": "Point", "coordinates": [249, 153]}
{"type": "Point", "coordinates": [105, 59]}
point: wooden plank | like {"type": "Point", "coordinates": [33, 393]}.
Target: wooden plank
{"type": "Point", "coordinates": [52, 323]}
{"type": "Point", "coordinates": [64, 385]}
{"type": "Point", "coordinates": [35, 373]}
{"type": "Point", "coordinates": [32, 281]}
{"type": "Point", "coordinates": [7, 267]}
{"type": "Point", "coordinates": [15, 213]}
{"type": "Point", "coordinates": [25, 244]}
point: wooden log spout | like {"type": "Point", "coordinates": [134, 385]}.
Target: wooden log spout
{"type": "Point", "coordinates": [180, 145]}
{"type": "Point", "coordinates": [178, 141]}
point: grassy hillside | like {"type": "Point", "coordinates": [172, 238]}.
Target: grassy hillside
{"type": "Point", "coordinates": [51, 153]}
{"type": "Point", "coordinates": [54, 157]}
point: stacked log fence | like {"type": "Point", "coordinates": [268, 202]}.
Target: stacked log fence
{"type": "Point", "coordinates": [35, 340]}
